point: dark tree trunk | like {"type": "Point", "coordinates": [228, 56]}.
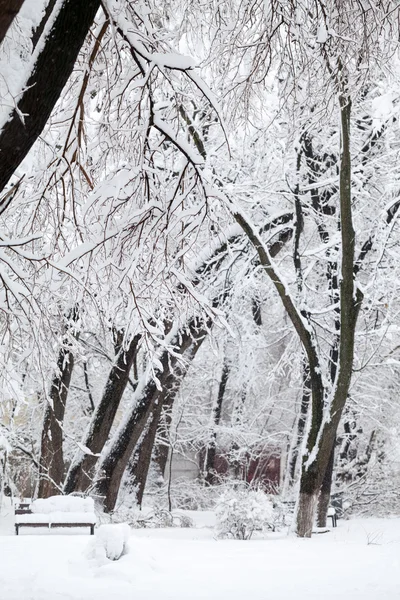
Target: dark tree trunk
{"type": "Point", "coordinates": [51, 470]}
{"type": "Point", "coordinates": [139, 464]}
{"type": "Point", "coordinates": [80, 474]}
{"type": "Point", "coordinates": [301, 422]}
{"type": "Point", "coordinates": [322, 435]}
{"type": "Point", "coordinates": [8, 11]}
{"type": "Point", "coordinates": [209, 466]}
{"type": "Point", "coordinates": [325, 492]}
{"type": "Point", "coordinates": [51, 71]}
{"type": "Point", "coordinates": [141, 459]}
{"type": "Point", "coordinates": [256, 310]}
{"type": "Point", "coordinates": [113, 464]}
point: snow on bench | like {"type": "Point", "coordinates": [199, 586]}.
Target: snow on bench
{"type": "Point", "coordinates": [57, 511]}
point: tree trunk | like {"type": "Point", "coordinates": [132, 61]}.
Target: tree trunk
{"type": "Point", "coordinates": [141, 460]}
{"type": "Point", "coordinates": [8, 11]}
{"type": "Point", "coordinates": [54, 65]}
{"type": "Point", "coordinates": [51, 470]}
{"type": "Point", "coordinates": [217, 410]}
{"type": "Point", "coordinates": [80, 474]}
{"type": "Point", "coordinates": [139, 464]}
{"type": "Point", "coordinates": [120, 449]}
{"type": "Point", "coordinates": [306, 507]}
{"type": "Point", "coordinates": [325, 493]}
{"type": "Point", "coordinates": [322, 435]}
{"type": "Point", "coordinates": [301, 423]}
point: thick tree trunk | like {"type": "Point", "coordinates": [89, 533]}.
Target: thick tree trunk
{"type": "Point", "coordinates": [209, 467]}
{"type": "Point", "coordinates": [54, 65]}
{"type": "Point", "coordinates": [322, 435]}
{"type": "Point", "coordinates": [120, 449]}
{"type": "Point", "coordinates": [51, 470]}
{"type": "Point", "coordinates": [80, 474]}
{"type": "Point", "coordinates": [139, 464]}
{"type": "Point", "coordinates": [307, 504]}
{"type": "Point", "coordinates": [8, 11]}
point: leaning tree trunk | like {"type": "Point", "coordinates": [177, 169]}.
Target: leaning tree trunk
{"type": "Point", "coordinates": [8, 11]}
{"type": "Point", "coordinates": [139, 464]}
{"type": "Point", "coordinates": [120, 449]}
{"type": "Point", "coordinates": [80, 474]}
{"type": "Point", "coordinates": [51, 468]}
{"type": "Point", "coordinates": [54, 64]}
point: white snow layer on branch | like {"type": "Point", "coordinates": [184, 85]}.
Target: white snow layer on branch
{"type": "Point", "coordinates": [17, 63]}
{"type": "Point", "coordinates": [192, 155]}
{"type": "Point", "coordinates": [170, 60]}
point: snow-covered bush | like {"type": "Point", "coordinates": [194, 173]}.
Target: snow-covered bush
{"type": "Point", "coordinates": [241, 512]}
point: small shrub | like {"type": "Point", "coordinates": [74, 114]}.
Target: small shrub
{"type": "Point", "coordinates": [192, 495]}
{"type": "Point", "coordinates": [241, 512]}
{"type": "Point", "coordinates": [152, 518]}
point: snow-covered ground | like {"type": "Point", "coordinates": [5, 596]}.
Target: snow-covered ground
{"type": "Point", "coordinates": [358, 560]}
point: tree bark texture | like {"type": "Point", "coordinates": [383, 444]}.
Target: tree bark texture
{"type": "Point", "coordinates": [51, 469]}
{"type": "Point", "coordinates": [80, 474]}
{"type": "Point", "coordinates": [8, 11]}
{"type": "Point", "coordinates": [53, 66]}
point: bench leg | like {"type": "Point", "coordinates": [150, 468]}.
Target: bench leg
{"type": "Point", "coordinates": [16, 529]}
{"type": "Point", "coordinates": [92, 530]}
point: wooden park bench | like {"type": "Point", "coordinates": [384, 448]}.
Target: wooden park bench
{"type": "Point", "coordinates": [56, 512]}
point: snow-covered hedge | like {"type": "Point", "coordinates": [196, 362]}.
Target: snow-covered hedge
{"type": "Point", "coordinates": [241, 512]}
